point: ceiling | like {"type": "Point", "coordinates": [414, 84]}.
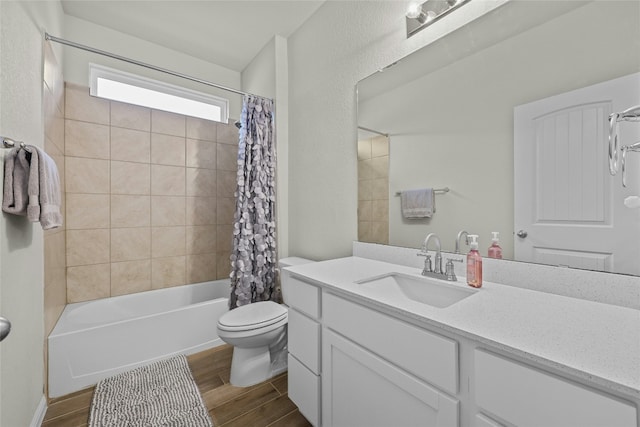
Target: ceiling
{"type": "Point", "coordinates": [226, 33]}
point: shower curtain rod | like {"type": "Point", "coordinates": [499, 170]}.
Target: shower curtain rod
{"type": "Point", "coordinates": [373, 131]}
{"type": "Point", "coordinates": [48, 36]}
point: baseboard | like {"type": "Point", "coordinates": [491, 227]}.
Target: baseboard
{"type": "Point", "coordinates": [38, 416]}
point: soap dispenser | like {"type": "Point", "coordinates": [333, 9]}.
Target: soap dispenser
{"type": "Point", "coordinates": [474, 264]}
{"type": "Point", "coordinates": [495, 251]}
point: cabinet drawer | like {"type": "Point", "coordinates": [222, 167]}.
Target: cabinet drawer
{"type": "Point", "coordinates": [304, 340]}
{"type": "Point", "coordinates": [525, 396]}
{"type": "Point", "coordinates": [304, 390]}
{"type": "Point", "coordinates": [303, 296]}
{"type": "Point", "coordinates": [424, 354]}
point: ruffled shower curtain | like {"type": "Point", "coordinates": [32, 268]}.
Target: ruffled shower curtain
{"type": "Point", "coordinates": [253, 257]}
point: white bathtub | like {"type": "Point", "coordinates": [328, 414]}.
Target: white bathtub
{"type": "Point", "coordinates": [96, 339]}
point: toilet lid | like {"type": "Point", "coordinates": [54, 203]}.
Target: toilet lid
{"type": "Point", "coordinates": [253, 316]}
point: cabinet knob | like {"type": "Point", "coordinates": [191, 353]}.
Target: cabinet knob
{"type": "Point", "coordinates": [522, 234]}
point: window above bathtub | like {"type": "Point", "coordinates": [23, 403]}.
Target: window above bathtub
{"type": "Point", "coordinates": [121, 86]}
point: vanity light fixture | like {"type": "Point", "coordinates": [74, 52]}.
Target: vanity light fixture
{"type": "Point", "coordinates": [419, 15]}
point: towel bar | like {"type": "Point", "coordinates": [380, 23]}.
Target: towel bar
{"type": "Point", "coordinates": [10, 143]}
{"type": "Point", "coordinates": [435, 190]}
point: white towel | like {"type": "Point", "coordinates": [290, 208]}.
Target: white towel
{"type": "Point", "coordinates": [418, 203]}
{"type": "Point", "coordinates": [16, 180]}
{"type": "Point", "coordinates": [44, 190]}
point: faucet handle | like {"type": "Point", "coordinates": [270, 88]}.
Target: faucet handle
{"type": "Point", "coordinates": [427, 262]}
{"type": "Point", "coordinates": [450, 273]}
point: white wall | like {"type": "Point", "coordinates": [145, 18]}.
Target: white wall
{"type": "Point", "coordinates": [267, 75]}
{"type": "Point", "coordinates": [96, 36]}
{"type": "Point", "coordinates": [340, 44]}
{"type": "Point", "coordinates": [21, 243]}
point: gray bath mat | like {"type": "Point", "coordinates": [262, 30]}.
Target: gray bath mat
{"type": "Point", "coordinates": [163, 393]}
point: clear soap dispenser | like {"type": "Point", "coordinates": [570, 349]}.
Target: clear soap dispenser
{"type": "Point", "coordinates": [474, 264]}
{"type": "Point", "coordinates": [495, 251]}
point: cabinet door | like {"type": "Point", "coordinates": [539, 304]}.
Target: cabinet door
{"type": "Point", "coordinates": [360, 389]}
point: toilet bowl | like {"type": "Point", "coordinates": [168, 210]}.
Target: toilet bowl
{"type": "Point", "coordinates": [258, 334]}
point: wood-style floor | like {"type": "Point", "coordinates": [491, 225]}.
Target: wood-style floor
{"type": "Point", "coordinates": [266, 404]}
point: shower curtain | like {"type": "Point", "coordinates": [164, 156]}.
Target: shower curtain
{"type": "Point", "coordinates": [253, 257]}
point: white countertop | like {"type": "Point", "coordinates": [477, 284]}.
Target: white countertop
{"type": "Point", "coordinates": [596, 342]}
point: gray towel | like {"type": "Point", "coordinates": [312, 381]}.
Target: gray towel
{"type": "Point", "coordinates": [418, 203]}
{"type": "Point", "coordinates": [44, 190]}
{"type": "Point", "coordinates": [32, 186]}
{"type": "Point", "coordinates": [16, 180]}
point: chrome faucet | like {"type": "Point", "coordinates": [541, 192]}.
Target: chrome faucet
{"type": "Point", "coordinates": [466, 240]}
{"type": "Point", "coordinates": [436, 269]}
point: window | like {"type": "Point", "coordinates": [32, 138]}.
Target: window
{"type": "Point", "coordinates": [132, 89]}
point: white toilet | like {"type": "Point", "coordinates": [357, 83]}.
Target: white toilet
{"type": "Point", "coordinates": [258, 334]}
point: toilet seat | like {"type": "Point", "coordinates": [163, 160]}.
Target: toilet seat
{"type": "Point", "coordinates": [260, 315]}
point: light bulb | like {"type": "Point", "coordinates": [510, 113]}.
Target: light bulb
{"type": "Point", "coordinates": [414, 10]}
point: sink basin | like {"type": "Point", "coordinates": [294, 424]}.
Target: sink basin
{"type": "Point", "coordinates": [417, 288]}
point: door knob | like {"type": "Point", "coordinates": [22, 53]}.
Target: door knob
{"type": "Point", "coordinates": [522, 234]}
{"type": "Point", "coordinates": [5, 328]}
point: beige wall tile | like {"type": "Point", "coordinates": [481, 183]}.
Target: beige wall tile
{"type": "Point", "coordinates": [168, 123]}
{"type": "Point", "coordinates": [223, 265]}
{"type": "Point", "coordinates": [87, 247]}
{"type": "Point", "coordinates": [365, 210]}
{"type": "Point", "coordinates": [201, 182]}
{"type": "Point", "coordinates": [364, 232]}
{"type": "Point", "coordinates": [227, 183]}
{"type": "Point", "coordinates": [380, 167]}
{"type": "Point", "coordinates": [130, 277]}
{"type": "Point", "coordinates": [86, 175]}
{"type": "Point", "coordinates": [224, 237]}
{"type": "Point", "coordinates": [87, 211]}
{"type": "Point", "coordinates": [55, 298]}
{"type": "Point", "coordinates": [84, 139]}
{"type": "Point", "coordinates": [130, 211]}
{"type": "Point", "coordinates": [228, 133]}
{"type": "Point", "coordinates": [88, 282]}
{"type": "Point", "coordinates": [380, 146]}
{"type": "Point", "coordinates": [380, 210]}
{"type": "Point", "coordinates": [168, 211]}
{"type": "Point", "coordinates": [167, 149]}
{"type": "Point", "coordinates": [227, 157]}
{"type": "Point", "coordinates": [364, 149]}
{"type": "Point", "coordinates": [380, 189]}
{"type": "Point", "coordinates": [130, 178]}
{"type": "Point", "coordinates": [365, 170]}
{"type": "Point", "coordinates": [225, 209]}
{"type": "Point", "coordinates": [79, 105]}
{"type": "Point", "coordinates": [365, 189]}
{"type": "Point", "coordinates": [201, 239]}
{"type": "Point", "coordinates": [54, 125]}
{"type": "Point", "coordinates": [166, 272]}
{"type": "Point", "coordinates": [168, 241]}
{"type": "Point", "coordinates": [201, 211]}
{"type": "Point", "coordinates": [201, 129]}
{"type": "Point", "coordinates": [201, 268]}
{"type": "Point", "coordinates": [167, 180]}
{"type": "Point", "coordinates": [129, 244]}
{"type": "Point", "coordinates": [201, 154]}
{"type": "Point", "coordinates": [130, 116]}
{"type": "Point", "coordinates": [380, 232]}
{"type": "Point", "coordinates": [130, 145]}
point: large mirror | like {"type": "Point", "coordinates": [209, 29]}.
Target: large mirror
{"type": "Point", "coordinates": [510, 114]}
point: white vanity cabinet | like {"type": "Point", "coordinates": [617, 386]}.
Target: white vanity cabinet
{"type": "Point", "coordinates": [525, 396]}
{"type": "Point", "coordinates": [371, 379]}
{"type": "Point", "coordinates": [304, 347]}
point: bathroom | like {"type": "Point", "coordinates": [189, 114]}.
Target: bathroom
{"type": "Point", "coordinates": [311, 72]}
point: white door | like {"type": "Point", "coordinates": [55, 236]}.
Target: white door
{"type": "Point", "coordinates": [568, 208]}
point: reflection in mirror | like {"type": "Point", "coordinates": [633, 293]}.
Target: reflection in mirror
{"type": "Point", "coordinates": [561, 68]}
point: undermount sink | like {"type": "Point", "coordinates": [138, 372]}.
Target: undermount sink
{"type": "Point", "coordinates": [420, 289]}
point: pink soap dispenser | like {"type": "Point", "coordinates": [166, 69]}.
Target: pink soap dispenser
{"type": "Point", "coordinates": [495, 251]}
{"type": "Point", "coordinates": [474, 263]}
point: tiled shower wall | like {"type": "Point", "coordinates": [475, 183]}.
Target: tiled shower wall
{"type": "Point", "coordinates": [55, 288]}
{"type": "Point", "coordinates": [373, 190]}
{"type": "Point", "coordinates": [149, 197]}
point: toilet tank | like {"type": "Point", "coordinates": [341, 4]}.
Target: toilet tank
{"type": "Point", "coordinates": [284, 275]}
